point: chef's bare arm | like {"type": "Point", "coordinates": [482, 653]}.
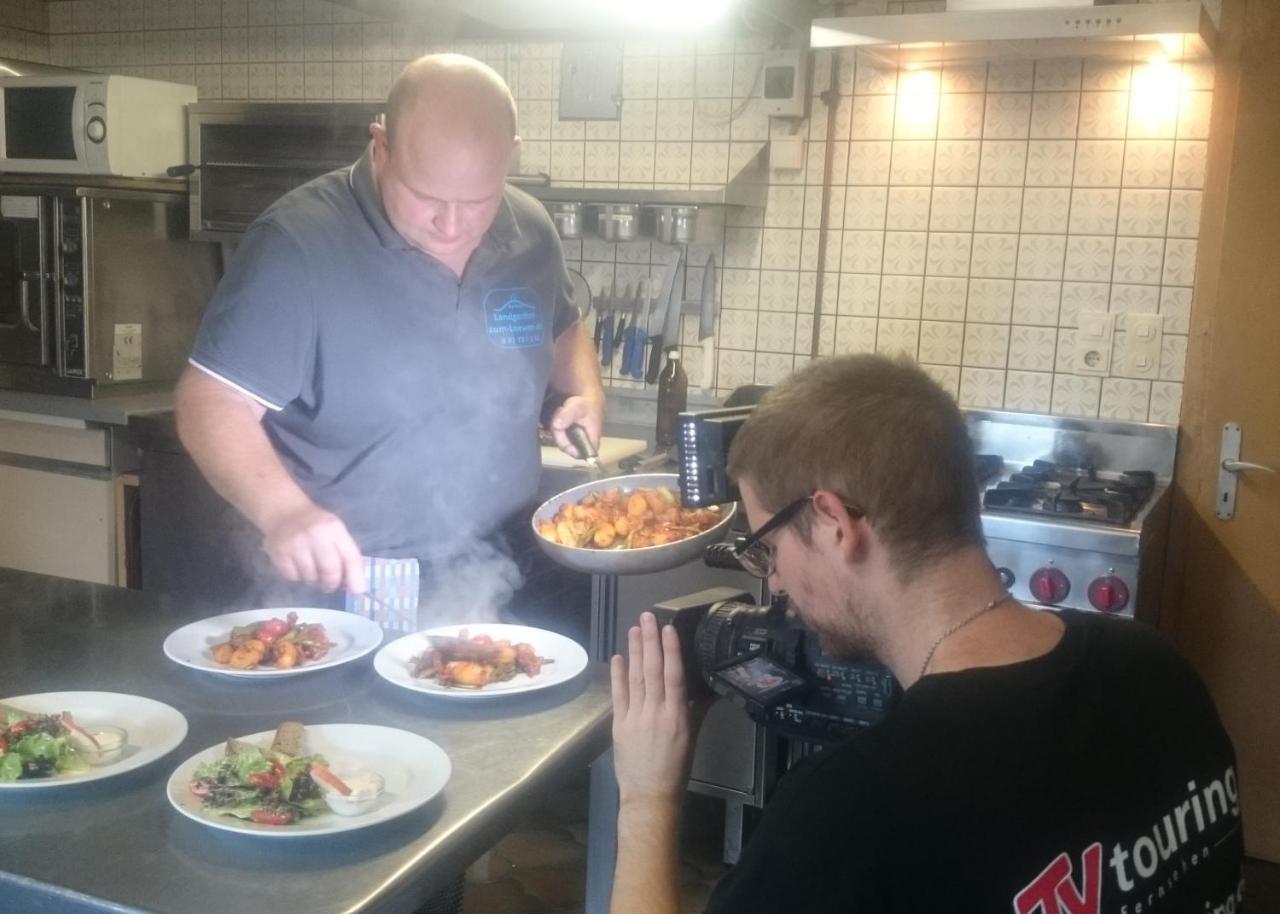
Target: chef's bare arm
{"type": "Point", "coordinates": [222, 430]}
{"type": "Point", "coordinates": [575, 372]}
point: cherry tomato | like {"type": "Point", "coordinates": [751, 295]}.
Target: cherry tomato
{"type": "Point", "coordinates": [269, 631]}
{"type": "Point", "coordinates": [274, 815]}
{"type": "Point", "coordinates": [268, 780]}
{"type": "Point", "coordinates": [20, 728]}
{"type": "Point", "coordinates": [199, 788]}
{"type": "Point", "coordinates": [482, 639]}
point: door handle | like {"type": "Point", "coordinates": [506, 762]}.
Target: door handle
{"type": "Point", "coordinates": [1229, 467]}
{"type": "Point", "coordinates": [1239, 466]}
{"type": "Point", "coordinates": [24, 301]}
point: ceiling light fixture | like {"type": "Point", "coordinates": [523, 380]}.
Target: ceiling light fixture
{"type": "Point", "coordinates": [672, 14]}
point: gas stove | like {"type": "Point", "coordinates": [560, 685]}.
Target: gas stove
{"type": "Point", "coordinates": [1075, 511]}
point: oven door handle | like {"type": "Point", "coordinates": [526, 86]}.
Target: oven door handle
{"type": "Point", "coordinates": [24, 302]}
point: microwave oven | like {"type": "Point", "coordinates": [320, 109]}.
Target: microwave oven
{"type": "Point", "coordinates": [100, 285]}
{"type": "Point", "coordinates": [92, 124]}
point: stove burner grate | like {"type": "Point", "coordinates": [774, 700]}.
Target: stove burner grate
{"type": "Point", "coordinates": [1048, 489]}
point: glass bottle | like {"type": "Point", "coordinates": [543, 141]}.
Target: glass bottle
{"type": "Point", "coordinates": [673, 398]}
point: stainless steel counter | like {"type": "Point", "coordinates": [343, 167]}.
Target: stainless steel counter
{"type": "Point", "coordinates": [117, 845]}
{"type": "Point", "coordinates": [113, 409]}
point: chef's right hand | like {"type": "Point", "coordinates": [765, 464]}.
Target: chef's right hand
{"type": "Point", "coordinates": [313, 546]}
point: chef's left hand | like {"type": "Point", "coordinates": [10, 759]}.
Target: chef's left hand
{"type": "Point", "coordinates": [654, 726]}
{"type": "Point", "coordinates": [585, 411]}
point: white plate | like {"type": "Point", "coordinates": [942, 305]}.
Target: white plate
{"type": "Point", "coordinates": [352, 636]}
{"type": "Point", "coordinates": [154, 730]}
{"type": "Point", "coordinates": [392, 662]}
{"type": "Point", "coordinates": [414, 770]}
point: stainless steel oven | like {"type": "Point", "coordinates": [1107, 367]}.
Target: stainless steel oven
{"type": "Point", "coordinates": [244, 157]}
{"type": "Point", "coordinates": [100, 284]}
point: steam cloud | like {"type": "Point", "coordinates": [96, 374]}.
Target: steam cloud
{"type": "Point", "coordinates": [471, 586]}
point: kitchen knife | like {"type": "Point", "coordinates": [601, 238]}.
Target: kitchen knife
{"type": "Point", "coordinates": [629, 338]}
{"type": "Point", "coordinates": [658, 342]}
{"type": "Point", "coordinates": [606, 336]}
{"type": "Point", "coordinates": [635, 368]}
{"type": "Point", "coordinates": [620, 334]}
{"type": "Point", "coordinates": [675, 305]}
{"type": "Point", "coordinates": [598, 332]}
{"type": "Point", "coordinates": [707, 323]}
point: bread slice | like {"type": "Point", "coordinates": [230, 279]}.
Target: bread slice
{"type": "Point", "coordinates": [6, 710]}
{"type": "Point", "coordinates": [235, 747]}
{"type": "Point", "coordinates": [291, 739]}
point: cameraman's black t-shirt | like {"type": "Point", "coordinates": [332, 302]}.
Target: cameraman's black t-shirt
{"type": "Point", "coordinates": [1096, 778]}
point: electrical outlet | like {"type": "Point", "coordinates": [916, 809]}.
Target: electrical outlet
{"type": "Point", "coordinates": [1139, 355]}
{"type": "Point", "coordinates": [1094, 335]}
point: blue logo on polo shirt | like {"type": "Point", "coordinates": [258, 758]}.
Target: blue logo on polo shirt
{"type": "Point", "coordinates": [511, 320]}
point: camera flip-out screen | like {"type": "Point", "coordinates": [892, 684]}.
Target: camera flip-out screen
{"type": "Point", "coordinates": [759, 680]}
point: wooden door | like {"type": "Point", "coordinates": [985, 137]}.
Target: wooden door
{"type": "Point", "coordinates": [1223, 600]}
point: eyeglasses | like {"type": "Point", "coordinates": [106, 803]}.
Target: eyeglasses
{"type": "Point", "coordinates": [755, 555]}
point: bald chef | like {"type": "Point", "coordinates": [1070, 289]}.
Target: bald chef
{"type": "Point", "coordinates": [368, 377]}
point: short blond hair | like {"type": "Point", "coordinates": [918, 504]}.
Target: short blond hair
{"type": "Point", "coordinates": [879, 432]}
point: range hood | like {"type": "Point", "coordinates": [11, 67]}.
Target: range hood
{"type": "Point", "coordinates": [1135, 31]}
{"type": "Point", "coordinates": [552, 20]}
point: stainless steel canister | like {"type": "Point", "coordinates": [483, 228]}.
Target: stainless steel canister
{"type": "Point", "coordinates": [568, 219]}
{"type": "Point", "coordinates": [619, 221]}
{"type": "Point", "coordinates": [675, 224]}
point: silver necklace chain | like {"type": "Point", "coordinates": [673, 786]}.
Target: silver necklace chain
{"type": "Point", "coordinates": [959, 625]}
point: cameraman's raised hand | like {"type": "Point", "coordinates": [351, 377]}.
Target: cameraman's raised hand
{"type": "Point", "coordinates": [653, 734]}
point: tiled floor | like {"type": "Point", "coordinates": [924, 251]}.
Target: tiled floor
{"type": "Point", "coordinates": [540, 868]}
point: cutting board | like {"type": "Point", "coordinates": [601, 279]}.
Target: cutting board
{"type": "Point", "coordinates": [612, 450]}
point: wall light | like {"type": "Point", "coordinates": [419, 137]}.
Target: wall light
{"type": "Point", "coordinates": [917, 110]}
{"type": "Point", "coordinates": [1154, 102]}
{"type": "Point", "coordinates": [671, 14]}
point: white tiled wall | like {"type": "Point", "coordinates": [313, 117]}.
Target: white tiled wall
{"type": "Point", "coordinates": [24, 27]}
{"type": "Point", "coordinates": [975, 211]}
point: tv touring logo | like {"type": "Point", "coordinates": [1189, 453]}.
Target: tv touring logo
{"type": "Point", "coordinates": [1147, 868]}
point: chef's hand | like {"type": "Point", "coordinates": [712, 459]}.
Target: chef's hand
{"type": "Point", "coordinates": [313, 546]}
{"type": "Point", "coordinates": [653, 726]}
{"type": "Point", "coordinates": [585, 411]}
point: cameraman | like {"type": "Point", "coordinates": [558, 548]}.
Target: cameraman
{"type": "Point", "coordinates": [1039, 762]}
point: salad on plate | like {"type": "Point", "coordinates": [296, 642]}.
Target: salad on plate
{"type": "Point", "coordinates": [36, 745]}
{"type": "Point", "coordinates": [281, 784]}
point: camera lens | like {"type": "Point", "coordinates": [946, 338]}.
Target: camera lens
{"type": "Point", "coordinates": [728, 631]}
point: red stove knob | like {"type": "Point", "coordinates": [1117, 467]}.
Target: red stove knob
{"type": "Point", "coordinates": [1109, 593]}
{"type": "Point", "coordinates": [1049, 585]}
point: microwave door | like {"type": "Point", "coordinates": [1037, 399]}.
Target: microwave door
{"type": "Point", "coordinates": [24, 286]}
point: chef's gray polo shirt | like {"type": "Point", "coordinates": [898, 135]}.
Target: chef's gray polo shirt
{"type": "Point", "coordinates": [400, 397]}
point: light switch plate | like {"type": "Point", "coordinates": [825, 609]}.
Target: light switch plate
{"type": "Point", "coordinates": [1095, 333]}
{"type": "Point", "coordinates": [591, 81]}
{"type": "Point", "coordinates": [1139, 354]}
{"type": "Point", "coordinates": [786, 153]}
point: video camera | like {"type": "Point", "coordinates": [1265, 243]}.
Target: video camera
{"type": "Point", "coordinates": [762, 658]}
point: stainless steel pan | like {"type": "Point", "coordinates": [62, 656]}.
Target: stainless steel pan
{"type": "Point", "coordinates": [627, 561]}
